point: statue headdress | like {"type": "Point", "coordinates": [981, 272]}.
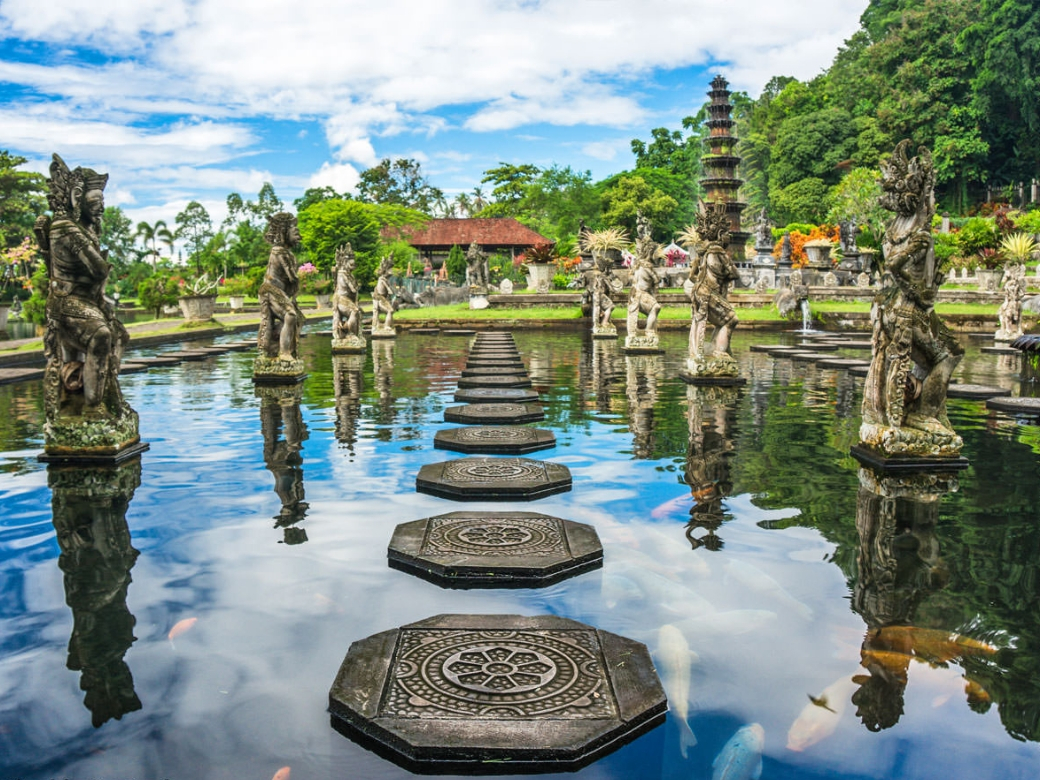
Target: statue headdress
{"type": "Point", "coordinates": [344, 252]}
{"type": "Point", "coordinates": [906, 180]}
{"type": "Point", "coordinates": [278, 226]}
{"type": "Point", "coordinates": [64, 183]}
{"type": "Point", "coordinates": [713, 223]}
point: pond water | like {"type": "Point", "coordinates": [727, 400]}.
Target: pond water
{"type": "Point", "coordinates": [211, 591]}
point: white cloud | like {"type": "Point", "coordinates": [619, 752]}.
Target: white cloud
{"type": "Point", "coordinates": [606, 150]}
{"type": "Point", "coordinates": [340, 176]}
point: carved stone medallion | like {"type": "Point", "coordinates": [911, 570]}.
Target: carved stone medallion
{"type": "Point", "coordinates": [498, 693]}
{"type": "Point", "coordinates": [495, 381]}
{"type": "Point", "coordinates": [494, 439]}
{"type": "Point", "coordinates": [490, 395]}
{"type": "Point", "coordinates": [493, 479]}
{"type": "Point", "coordinates": [494, 414]}
{"type": "Point", "coordinates": [494, 549]}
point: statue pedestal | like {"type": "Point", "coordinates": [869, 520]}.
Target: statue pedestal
{"type": "Point", "coordinates": [711, 370]}
{"type": "Point", "coordinates": [645, 343]}
{"type": "Point", "coordinates": [607, 331]}
{"type": "Point", "coordinates": [478, 300]}
{"type": "Point", "coordinates": [278, 371]}
{"type": "Point", "coordinates": [381, 332]}
{"type": "Point", "coordinates": [100, 439]}
{"type": "Point", "coordinates": [539, 276]}
{"type": "Point", "coordinates": [351, 345]}
{"type": "Point", "coordinates": [887, 464]}
{"type": "Point", "coordinates": [914, 447]}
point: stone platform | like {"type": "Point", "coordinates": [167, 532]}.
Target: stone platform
{"type": "Point", "coordinates": [494, 395]}
{"type": "Point", "coordinates": [504, 370]}
{"type": "Point", "coordinates": [975, 391]}
{"type": "Point", "coordinates": [493, 479]}
{"type": "Point", "coordinates": [1023, 406]}
{"type": "Point", "coordinates": [504, 694]}
{"type": "Point", "coordinates": [496, 381]}
{"type": "Point", "coordinates": [494, 439]}
{"type": "Point", "coordinates": [494, 414]}
{"type": "Point", "coordinates": [494, 549]}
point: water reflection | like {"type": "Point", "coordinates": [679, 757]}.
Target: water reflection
{"type": "Point", "coordinates": [89, 505]}
{"type": "Point", "coordinates": [348, 384]}
{"type": "Point", "coordinates": [899, 566]}
{"type": "Point", "coordinates": [383, 369]}
{"type": "Point", "coordinates": [283, 429]}
{"type": "Point", "coordinates": [604, 356]}
{"type": "Point", "coordinates": [641, 374]}
{"type": "Point", "coordinates": [710, 412]}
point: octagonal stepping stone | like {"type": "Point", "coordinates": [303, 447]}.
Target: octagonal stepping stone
{"type": "Point", "coordinates": [1018, 405]}
{"type": "Point", "coordinates": [493, 354]}
{"type": "Point", "coordinates": [494, 414]}
{"type": "Point", "coordinates": [494, 439]}
{"type": "Point", "coordinates": [158, 361]}
{"type": "Point", "coordinates": [495, 363]}
{"type": "Point", "coordinates": [492, 395]}
{"type": "Point", "coordinates": [217, 349]}
{"type": "Point", "coordinates": [859, 370]}
{"type": "Point", "coordinates": [837, 362]}
{"type": "Point", "coordinates": [493, 479]}
{"type": "Point", "coordinates": [188, 354]}
{"type": "Point", "coordinates": [780, 349]}
{"type": "Point", "coordinates": [479, 694]}
{"type": "Point", "coordinates": [9, 376]}
{"type": "Point", "coordinates": [457, 332]}
{"type": "Point", "coordinates": [806, 357]}
{"type": "Point", "coordinates": [1000, 351]}
{"type": "Point", "coordinates": [132, 368]}
{"type": "Point", "coordinates": [975, 391]}
{"type": "Point", "coordinates": [818, 346]}
{"type": "Point", "coordinates": [425, 331]}
{"type": "Point", "coordinates": [494, 549]}
{"type": "Point", "coordinates": [495, 381]}
{"type": "Point", "coordinates": [766, 347]}
{"type": "Point", "coordinates": [510, 370]}
{"type": "Point", "coordinates": [852, 343]}
{"type": "Point", "coordinates": [239, 346]}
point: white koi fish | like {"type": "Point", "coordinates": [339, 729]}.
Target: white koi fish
{"type": "Point", "coordinates": [816, 722]}
{"type": "Point", "coordinates": [675, 657]}
{"type": "Point", "coordinates": [741, 757]}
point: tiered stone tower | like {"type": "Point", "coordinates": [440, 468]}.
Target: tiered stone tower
{"type": "Point", "coordinates": [720, 180]}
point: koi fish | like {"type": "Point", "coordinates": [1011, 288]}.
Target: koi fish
{"type": "Point", "coordinates": [741, 757]}
{"type": "Point", "coordinates": [282, 774]}
{"type": "Point", "coordinates": [675, 657]}
{"type": "Point", "coordinates": [673, 506]}
{"type": "Point", "coordinates": [816, 723]}
{"type": "Point", "coordinates": [180, 627]}
{"type": "Point", "coordinates": [934, 644]}
{"type": "Point", "coordinates": [756, 579]}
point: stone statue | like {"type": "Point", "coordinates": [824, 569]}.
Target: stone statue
{"type": "Point", "coordinates": [904, 398]}
{"type": "Point", "coordinates": [1010, 312]}
{"type": "Point", "coordinates": [477, 269]}
{"type": "Point", "coordinates": [346, 313]}
{"type": "Point", "coordinates": [281, 320]}
{"type": "Point", "coordinates": [764, 232]}
{"type": "Point", "coordinates": [785, 251]}
{"type": "Point", "coordinates": [86, 415]}
{"type": "Point", "coordinates": [642, 297]}
{"type": "Point", "coordinates": [708, 290]}
{"type": "Point", "coordinates": [847, 232]}
{"type": "Point", "coordinates": [383, 301]}
{"type": "Point", "coordinates": [599, 284]}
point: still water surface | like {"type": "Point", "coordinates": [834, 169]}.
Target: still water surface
{"type": "Point", "coordinates": [254, 532]}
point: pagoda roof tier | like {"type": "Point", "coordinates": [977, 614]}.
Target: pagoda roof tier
{"type": "Point", "coordinates": [715, 123]}
{"type": "Point", "coordinates": [721, 159]}
{"type": "Point", "coordinates": [723, 182]}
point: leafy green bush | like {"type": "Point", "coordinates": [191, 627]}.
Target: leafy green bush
{"type": "Point", "coordinates": [1029, 222]}
{"type": "Point", "coordinates": [158, 290]}
{"type": "Point", "coordinates": [945, 249]}
{"type": "Point", "coordinates": [977, 233]}
{"type": "Point", "coordinates": [560, 281]}
{"type": "Point", "coordinates": [34, 310]}
{"type": "Point", "coordinates": [456, 263]}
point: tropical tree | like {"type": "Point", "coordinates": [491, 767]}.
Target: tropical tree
{"type": "Point", "coordinates": [196, 228]}
{"type": "Point", "coordinates": [151, 235]}
{"type": "Point", "coordinates": [22, 199]}
{"type": "Point", "coordinates": [400, 182]}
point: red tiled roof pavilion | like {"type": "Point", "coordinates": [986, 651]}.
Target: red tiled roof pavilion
{"type": "Point", "coordinates": [492, 235]}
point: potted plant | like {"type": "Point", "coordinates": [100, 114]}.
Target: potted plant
{"type": "Point", "coordinates": [198, 298]}
{"type": "Point", "coordinates": [237, 288]}
{"type": "Point", "coordinates": [540, 261]}
{"type": "Point", "coordinates": [311, 283]}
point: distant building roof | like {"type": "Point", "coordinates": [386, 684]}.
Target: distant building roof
{"type": "Point", "coordinates": [502, 231]}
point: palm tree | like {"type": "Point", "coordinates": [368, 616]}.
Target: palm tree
{"type": "Point", "coordinates": [478, 202]}
{"type": "Point", "coordinates": [150, 234]}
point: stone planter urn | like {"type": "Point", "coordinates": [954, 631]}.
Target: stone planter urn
{"type": "Point", "coordinates": [322, 300]}
{"type": "Point", "coordinates": [197, 307]}
{"type": "Point", "coordinates": [539, 276]}
{"type": "Point", "coordinates": [5, 309]}
{"type": "Point", "coordinates": [989, 278]}
{"type": "Point", "coordinates": [237, 302]}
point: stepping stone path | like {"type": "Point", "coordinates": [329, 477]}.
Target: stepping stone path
{"type": "Point", "coordinates": [189, 354]}
{"type": "Point", "coordinates": [1000, 351]}
{"type": "Point", "coordinates": [836, 362]}
{"type": "Point", "coordinates": [132, 368]}
{"type": "Point", "coordinates": [496, 693]}
{"type": "Point", "coordinates": [498, 380]}
{"type": "Point", "coordinates": [526, 548]}
{"type": "Point", "coordinates": [9, 376]}
{"type": "Point", "coordinates": [158, 361]}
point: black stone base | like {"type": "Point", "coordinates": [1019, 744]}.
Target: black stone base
{"type": "Point", "coordinates": [279, 379]}
{"type": "Point", "coordinates": [887, 465]}
{"type": "Point", "coordinates": [717, 381]}
{"type": "Point", "coordinates": [93, 459]}
{"type": "Point", "coordinates": [494, 439]}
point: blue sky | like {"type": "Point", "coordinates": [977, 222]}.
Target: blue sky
{"type": "Point", "coordinates": [185, 100]}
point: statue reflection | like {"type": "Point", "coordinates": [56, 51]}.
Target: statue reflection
{"type": "Point", "coordinates": [283, 429]}
{"type": "Point", "coordinates": [710, 412]}
{"type": "Point", "coordinates": [383, 369]}
{"type": "Point", "coordinates": [641, 373]}
{"type": "Point", "coordinates": [604, 357]}
{"type": "Point", "coordinates": [348, 383]}
{"type": "Point", "coordinates": [900, 565]}
{"type": "Point", "coordinates": [89, 505]}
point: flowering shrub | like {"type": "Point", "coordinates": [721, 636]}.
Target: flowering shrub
{"type": "Point", "coordinates": [16, 266]}
{"type": "Point", "coordinates": [311, 282]}
{"type": "Point", "coordinates": [799, 239]}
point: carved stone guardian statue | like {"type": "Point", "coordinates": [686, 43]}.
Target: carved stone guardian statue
{"type": "Point", "coordinates": [1010, 312]}
{"type": "Point", "coordinates": [914, 353]}
{"type": "Point", "coordinates": [346, 313]}
{"type": "Point", "coordinates": [708, 289]}
{"type": "Point", "coordinates": [87, 418]}
{"type": "Point", "coordinates": [383, 302]}
{"type": "Point", "coordinates": [600, 281]}
{"type": "Point", "coordinates": [642, 296]}
{"type": "Point", "coordinates": [281, 320]}
{"type": "Point", "coordinates": [477, 276]}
